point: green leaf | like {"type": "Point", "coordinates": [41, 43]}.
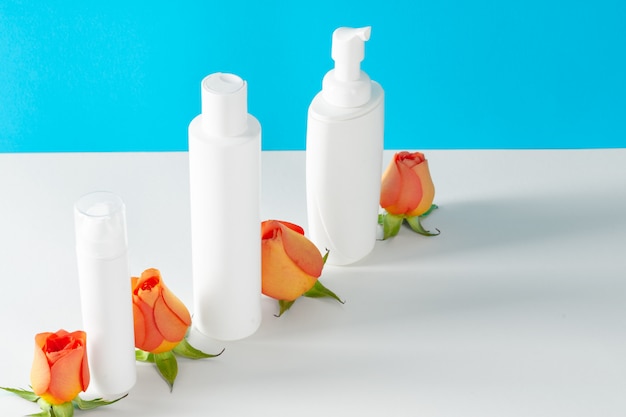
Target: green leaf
{"type": "Point", "coordinates": [143, 356]}
{"type": "Point", "coordinates": [186, 350]}
{"type": "Point", "coordinates": [63, 410]}
{"type": "Point", "coordinates": [27, 395]}
{"type": "Point", "coordinates": [416, 225]}
{"type": "Point", "coordinates": [284, 306]}
{"type": "Point", "coordinates": [167, 366]}
{"type": "Point", "coordinates": [95, 403]}
{"type": "Point", "coordinates": [391, 225]}
{"type": "Point", "coordinates": [319, 291]}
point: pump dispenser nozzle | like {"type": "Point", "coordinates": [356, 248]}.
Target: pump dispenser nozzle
{"type": "Point", "coordinates": [347, 85]}
{"type": "Point", "coordinates": [348, 51]}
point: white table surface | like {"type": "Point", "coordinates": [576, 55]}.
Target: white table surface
{"type": "Point", "coordinates": [518, 308]}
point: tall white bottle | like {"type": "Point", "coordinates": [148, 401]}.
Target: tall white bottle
{"type": "Point", "coordinates": [344, 146]}
{"type": "Point", "coordinates": [224, 167]}
{"type": "Point", "coordinates": [105, 293]}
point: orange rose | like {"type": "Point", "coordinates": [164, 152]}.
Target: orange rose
{"type": "Point", "coordinates": [291, 263]}
{"type": "Point", "coordinates": [161, 319]}
{"type": "Point", "coordinates": [60, 368]}
{"type": "Point", "coordinates": [407, 188]}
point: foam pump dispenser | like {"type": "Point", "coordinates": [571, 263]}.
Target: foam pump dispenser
{"type": "Point", "coordinates": [344, 145]}
{"type": "Point", "coordinates": [224, 168]}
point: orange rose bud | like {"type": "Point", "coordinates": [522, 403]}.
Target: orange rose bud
{"type": "Point", "coordinates": [60, 369]}
{"type": "Point", "coordinates": [291, 263]}
{"type": "Point", "coordinates": [161, 319]}
{"type": "Point", "coordinates": [407, 188]}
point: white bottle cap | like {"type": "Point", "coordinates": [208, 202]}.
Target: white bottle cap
{"type": "Point", "coordinates": [100, 225]}
{"type": "Point", "coordinates": [224, 105]}
{"type": "Point", "coordinates": [347, 85]}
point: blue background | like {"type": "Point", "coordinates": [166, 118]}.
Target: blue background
{"type": "Point", "coordinates": [125, 75]}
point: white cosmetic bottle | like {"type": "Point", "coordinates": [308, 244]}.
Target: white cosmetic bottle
{"type": "Point", "coordinates": [105, 293]}
{"type": "Point", "coordinates": [224, 168]}
{"type": "Point", "coordinates": [344, 146]}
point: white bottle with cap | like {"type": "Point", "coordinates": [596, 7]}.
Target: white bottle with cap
{"type": "Point", "coordinates": [224, 168]}
{"type": "Point", "coordinates": [105, 293]}
{"type": "Point", "coordinates": [344, 145]}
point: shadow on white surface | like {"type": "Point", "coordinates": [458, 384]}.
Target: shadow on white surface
{"type": "Point", "coordinates": [507, 223]}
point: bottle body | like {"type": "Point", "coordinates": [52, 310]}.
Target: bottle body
{"type": "Point", "coordinates": [343, 169]}
{"type": "Point", "coordinates": [105, 292]}
{"type": "Point", "coordinates": [225, 230]}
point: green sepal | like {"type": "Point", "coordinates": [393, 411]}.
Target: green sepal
{"type": "Point", "coordinates": [45, 413]}
{"type": "Point", "coordinates": [320, 291]}
{"type": "Point", "coordinates": [184, 349]}
{"type": "Point", "coordinates": [143, 356]}
{"type": "Point", "coordinates": [417, 227]}
{"type": "Point", "coordinates": [432, 208]}
{"type": "Point", "coordinates": [63, 410]}
{"type": "Point", "coordinates": [95, 403]}
{"type": "Point", "coordinates": [46, 408]}
{"type": "Point", "coordinates": [284, 305]}
{"type": "Point", "coordinates": [167, 366]}
{"type": "Point", "coordinates": [27, 395]}
{"type": "Point", "coordinates": [391, 225]}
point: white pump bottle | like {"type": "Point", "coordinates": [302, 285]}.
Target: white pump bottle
{"type": "Point", "coordinates": [344, 146]}
{"type": "Point", "coordinates": [105, 293]}
{"type": "Point", "coordinates": [224, 167]}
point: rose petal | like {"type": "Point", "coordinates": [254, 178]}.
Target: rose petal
{"type": "Point", "coordinates": [148, 287]}
{"type": "Point", "coordinates": [85, 377]}
{"type": "Point", "coordinates": [166, 346]}
{"type": "Point", "coordinates": [409, 191]}
{"type": "Point", "coordinates": [151, 273]}
{"type": "Point", "coordinates": [292, 226]}
{"type": "Point", "coordinates": [40, 372]}
{"type": "Point", "coordinates": [391, 185]}
{"type": "Point", "coordinates": [169, 324]}
{"type": "Point", "coordinates": [65, 380]}
{"type": "Point", "coordinates": [282, 279]}
{"type": "Point", "coordinates": [268, 229]}
{"type": "Point", "coordinates": [428, 189]}
{"type": "Point", "coordinates": [139, 324]}
{"type": "Point", "coordinates": [153, 337]}
{"type": "Point", "coordinates": [176, 306]}
{"type": "Point", "coordinates": [41, 338]}
{"type": "Point", "coordinates": [302, 252]}
{"type": "Point", "coordinates": [411, 159]}
{"type": "Point", "coordinates": [81, 337]}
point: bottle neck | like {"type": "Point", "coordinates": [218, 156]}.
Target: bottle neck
{"type": "Point", "coordinates": [340, 93]}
